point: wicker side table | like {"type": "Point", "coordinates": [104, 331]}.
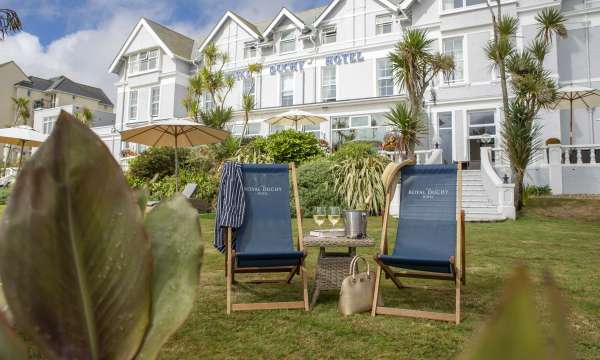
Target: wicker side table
{"type": "Point", "coordinates": [332, 267]}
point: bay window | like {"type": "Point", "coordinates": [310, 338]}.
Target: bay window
{"type": "Point", "coordinates": [385, 81]}
{"type": "Point", "coordinates": [359, 127]}
{"type": "Point", "coordinates": [328, 83]}
{"type": "Point", "coordinates": [287, 89]}
{"type": "Point", "coordinates": [454, 47]}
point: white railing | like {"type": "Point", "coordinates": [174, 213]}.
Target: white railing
{"type": "Point", "coordinates": [433, 156]}
{"type": "Point", "coordinates": [501, 194]}
{"type": "Point", "coordinates": [8, 176]}
{"type": "Point", "coordinates": [125, 162]}
{"type": "Point", "coordinates": [580, 154]}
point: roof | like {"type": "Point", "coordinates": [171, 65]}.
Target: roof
{"type": "Point", "coordinates": [66, 85]}
{"type": "Point", "coordinates": [179, 44]}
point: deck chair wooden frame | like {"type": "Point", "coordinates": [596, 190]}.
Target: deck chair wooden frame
{"type": "Point", "coordinates": [458, 264]}
{"type": "Point", "coordinates": [231, 269]}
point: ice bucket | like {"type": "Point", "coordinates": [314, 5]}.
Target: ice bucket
{"type": "Point", "coordinates": [356, 223]}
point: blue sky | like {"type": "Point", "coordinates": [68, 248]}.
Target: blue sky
{"type": "Point", "coordinates": [79, 38]}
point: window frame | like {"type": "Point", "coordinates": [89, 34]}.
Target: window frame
{"type": "Point", "coordinates": [331, 83]}
{"type": "Point", "coordinates": [154, 102]}
{"type": "Point", "coordinates": [135, 60]}
{"type": "Point", "coordinates": [349, 127]}
{"type": "Point", "coordinates": [48, 123]}
{"type": "Point", "coordinates": [389, 78]}
{"type": "Point", "coordinates": [250, 47]}
{"type": "Point", "coordinates": [286, 94]}
{"type": "Point", "coordinates": [462, 7]}
{"type": "Point", "coordinates": [292, 40]}
{"type": "Point", "coordinates": [326, 34]}
{"type": "Point", "coordinates": [463, 59]}
{"type": "Point", "coordinates": [381, 25]}
{"type": "Point", "coordinates": [207, 101]}
{"type": "Point", "coordinates": [485, 125]}
{"type": "Point", "coordinates": [132, 115]}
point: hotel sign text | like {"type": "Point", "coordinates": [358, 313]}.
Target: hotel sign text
{"type": "Point", "coordinates": [337, 59]}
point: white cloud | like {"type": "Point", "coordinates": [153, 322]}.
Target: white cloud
{"type": "Point", "coordinates": [85, 55]}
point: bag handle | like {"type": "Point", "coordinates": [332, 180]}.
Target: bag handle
{"type": "Point", "coordinates": [353, 266]}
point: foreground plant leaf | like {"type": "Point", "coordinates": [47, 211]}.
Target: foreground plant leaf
{"type": "Point", "coordinates": [514, 332]}
{"type": "Point", "coordinates": [561, 344]}
{"type": "Point", "coordinates": [174, 230]}
{"type": "Point", "coordinates": [11, 347]}
{"type": "Point", "coordinates": [74, 259]}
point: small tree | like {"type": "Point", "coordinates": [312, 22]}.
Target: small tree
{"type": "Point", "coordinates": [22, 115]}
{"type": "Point", "coordinates": [415, 68]}
{"type": "Point", "coordinates": [9, 23]}
{"type": "Point", "coordinates": [85, 115]}
{"type": "Point", "coordinates": [248, 98]}
{"type": "Point", "coordinates": [408, 125]}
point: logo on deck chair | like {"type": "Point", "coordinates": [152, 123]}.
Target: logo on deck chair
{"type": "Point", "coordinates": [430, 192]}
{"type": "Point", "coordinates": [262, 189]}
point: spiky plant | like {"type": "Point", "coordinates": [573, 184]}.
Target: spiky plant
{"type": "Point", "coordinates": [22, 115]}
{"type": "Point", "coordinates": [216, 117]}
{"type": "Point", "coordinates": [409, 125]}
{"type": "Point", "coordinates": [248, 100]}
{"type": "Point", "coordinates": [9, 23]}
{"type": "Point", "coordinates": [550, 23]}
{"type": "Point", "coordinates": [415, 66]}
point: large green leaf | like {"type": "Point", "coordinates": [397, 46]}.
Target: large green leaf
{"type": "Point", "coordinates": [11, 347]}
{"type": "Point", "coordinates": [74, 258]}
{"type": "Point", "coordinates": [174, 230]}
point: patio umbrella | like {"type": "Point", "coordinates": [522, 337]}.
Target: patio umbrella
{"type": "Point", "coordinates": [296, 117]}
{"type": "Point", "coordinates": [174, 133]}
{"type": "Point", "coordinates": [22, 136]}
{"type": "Point", "coordinates": [576, 97]}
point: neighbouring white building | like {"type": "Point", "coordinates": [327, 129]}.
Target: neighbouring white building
{"type": "Point", "coordinates": [332, 61]}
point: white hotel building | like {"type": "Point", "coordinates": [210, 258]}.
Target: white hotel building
{"type": "Point", "coordinates": [332, 61]}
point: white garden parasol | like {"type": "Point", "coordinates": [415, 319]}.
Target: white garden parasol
{"type": "Point", "coordinates": [296, 117]}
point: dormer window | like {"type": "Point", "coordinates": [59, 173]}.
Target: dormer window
{"type": "Point", "coordinates": [287, 42]}
{"type": "Point", "coordinates": [250, 50]}
{"type": "Point", "coordinates": [383, 24]}
{"type": "Point", "coordinates": [329, 35]}
{"type": "Point", "coordinates": [143, 61]}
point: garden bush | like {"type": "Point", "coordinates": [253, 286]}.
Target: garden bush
{"type": "Point", "coordinates": [254, 152]}
{"type": "Point", "coordinates": [292, 146]}
{"type": "Point", "coordinates": [355, 149]}
{"type": "Point", "coordinates": [316, 186]}
{"type": "Point", "coordinates": [158, 160]}
{"type": "Point", "coordinates": [4, 194]}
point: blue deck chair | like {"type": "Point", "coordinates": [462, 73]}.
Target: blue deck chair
{"type": "Point", "coordinates": [264, 243]}
{"type": "Point", "coordinates": [430, 234]}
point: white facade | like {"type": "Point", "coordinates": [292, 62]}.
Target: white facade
{"type": "Point", "coordinates": [331, 61]}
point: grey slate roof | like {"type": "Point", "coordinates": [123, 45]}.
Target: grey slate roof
{"type": "Point", "coordinates": [179, 44]}
{"type": "Point", "coordinates": [64, 84]}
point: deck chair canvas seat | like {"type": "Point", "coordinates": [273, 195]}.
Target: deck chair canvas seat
{"type": "Point", "coordinates": [264, 242]}
{"type": "Point", "coordinates": [430, 234]}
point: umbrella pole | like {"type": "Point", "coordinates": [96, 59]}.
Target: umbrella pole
{"type": "Point", "coordinates": [21, 156]}
{"type": "Point", "coordinates": [571, 122]}
{"type": "Point", "coordinates": [176, 167]}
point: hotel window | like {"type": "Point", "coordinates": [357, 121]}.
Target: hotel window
{"type": "Point", "coordinates": [329, 35]}
{"type": "Point", "coordinates": [133, 102]}
{"type": "Point", "coordinates": [314, 129]}
{"type": "Point", "coordinates": [385, 81]}
{"type": "Point", "coordinates": [328, 83]}
{"type": "Point", "coordinates": [154, 101]}
{"type": "Point", "coordinates": [458, 4]}
{"type": "Point", "coordinates": [482, 123]}
{"type": "Point", "coordinates": [249, 50]}
{"type": "Point", "coordinates": [207, 101]}
{"type": "Point", "coordinates": [287, 89]}
{"type": "Point", "coordinates": [253, 129]}
{"type": "Point", "coordinates": [454, 47]}
{"type": "Point", "coordinates": [361, 127]}
{"type": "Point", "coordinates": [48, 124]}
{"type": "Point", "coordinates": [383, 24]}
{"type": "Point", "coordinates": [143, 61]}
{"type": "Point", "coordinates": [287, 42]}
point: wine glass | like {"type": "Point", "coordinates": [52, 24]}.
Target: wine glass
{"type": "Point", "coordinates": [334, 215]}
{"type": "Point", "coordinates": [319, 215]}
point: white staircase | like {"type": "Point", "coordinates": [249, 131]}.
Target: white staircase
{"type": "Point", "coordinates": [476, 203]}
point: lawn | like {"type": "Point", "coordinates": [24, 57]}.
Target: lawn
{"type": "Point", "coordinates": [544, 237]}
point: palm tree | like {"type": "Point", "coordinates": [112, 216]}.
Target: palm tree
{"type": "Point", "coordinates": [85, 116]}
{"type": "Point", "coordinates": [248, 100]}
{"type": "Point", "coordinates": [550, 23]}
{"type": "Point", "coordinates": [191, 103]}
{"type": "Point", "coordinates": [9, 22]}
{"type": "Point", "coordinates": [22, 115]}
{"type": "Point", "coordinates": [415, 66]}
{"type": "Point", "coordinates": [409, 125]}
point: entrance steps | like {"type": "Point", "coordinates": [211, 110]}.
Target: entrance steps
{"type": "Point", "coordinates": [475, 201]}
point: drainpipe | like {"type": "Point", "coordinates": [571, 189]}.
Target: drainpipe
{"type": "Point", "coordinates": [589, 69]}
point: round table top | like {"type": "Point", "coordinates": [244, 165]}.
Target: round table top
{"type": "Point", "coordinates": [318, 241]}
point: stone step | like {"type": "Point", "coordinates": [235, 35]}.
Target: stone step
{"type": "Point", "coordinates": [478, 204]}
{"type": "Point", "coordinates": [484, 217]}
{"type": "Point", "coordinates": [482, 210]}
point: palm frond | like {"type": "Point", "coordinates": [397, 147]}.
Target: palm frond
{"type": "Point", "coordinates": [9, 22]}
{"type": "Point", "coordinates": [550, 22]}
{"type": "Point", "coordinates": [539, 49]}
{"type": "Point", "coordinates": [508, 26]}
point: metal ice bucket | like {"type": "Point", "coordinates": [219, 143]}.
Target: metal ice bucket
{"type": "Point", "coordinates": [356, 223]}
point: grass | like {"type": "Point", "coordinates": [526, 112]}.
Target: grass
{"type": "Point", "coordinates": [545, 237]}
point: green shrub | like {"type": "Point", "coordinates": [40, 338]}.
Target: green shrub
{"type": "Point", "coordinates": [158, 160]}
{"type": "Point", "coordinates": [254, 152]}
{"type": "Point", "coordinates": [357, 174]}
{"type": "Point", "coordinates": [160, 189]}
{"type": "Point", "coordinates": [533, 191]}
{"type": "Point", "coordinates": [316, 186]}
{"type": "Point", "coordinates": [4, 194]}
{"type": "Point", "coordinates": [292, 146]}
{"type": "Point", "coordinates": [355, 149]}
